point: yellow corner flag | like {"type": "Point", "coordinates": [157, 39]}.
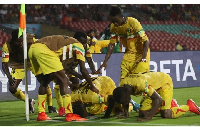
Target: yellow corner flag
{"type": "Point", "coordinates": [22, 20]}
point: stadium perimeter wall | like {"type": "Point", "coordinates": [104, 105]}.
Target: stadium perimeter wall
{"type": "Point", "coordinates": [182, 66]}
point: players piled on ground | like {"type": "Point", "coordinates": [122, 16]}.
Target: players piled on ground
{"type": "Point", "coordinates": [54, 58]}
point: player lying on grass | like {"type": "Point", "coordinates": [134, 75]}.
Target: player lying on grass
{"type": "Point", "coordinates": [46, 66]}
{"type": "Point", "coordinates": [17, 75]}
{"type": "Point", "coordinates": [85, 102]}
{"type": "Point", "coordinates": [157, 91]}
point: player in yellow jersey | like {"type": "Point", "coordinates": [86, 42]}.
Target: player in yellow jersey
{"type": "Point", "coordinates": [132, 36]}
{"type": "Point", "coordinates": [157, 91]}
{"type": "Point", "coordinates": [98, 45]}
{"type": "Point", "coordinates": [73, 55]}
{"type": "Point", "coordinates": [46, 66]}
{"type": "Point", "coordinates": [16, 76]}
{"type": "Point", "coordinates": [87, 102]}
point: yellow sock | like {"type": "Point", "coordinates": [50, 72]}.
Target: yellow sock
{"type": "Point", "coordinates": [19, 95]}
{"type": "Point", "coordinates": [178, 111]}
{"type": "Point", "coordinates": [58, 96]}
{"type": "Point", "coordinates": [41, 103]}
{"type": "Point", "coordinates": [67, 103]}
{"type": "Point", "coordinates": [49, 96]}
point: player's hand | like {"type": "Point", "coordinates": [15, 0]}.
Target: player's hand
{"type": "Point", "coordinates": [11, 81]}
{"type": "Point", "coordinates": [103, 65]}
{"type": "Point", "coordinates": [142, 60]}
{"type": "Point", "coordinates": [95, 73]}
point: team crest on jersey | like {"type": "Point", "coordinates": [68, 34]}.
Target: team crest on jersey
{"type": "Point", "coordinates": [129, 30]}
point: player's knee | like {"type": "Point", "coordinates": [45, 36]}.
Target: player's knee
{"type": "Point", "coordinates": [166, 113]}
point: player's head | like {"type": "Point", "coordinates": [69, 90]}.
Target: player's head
{"type": "Point", "coordinates": [91, 33]}
{"type": "Point", "coordinates": [14, 34]}
{"type": "Point", "coordinates": [81, 37]}
{"type": "Point", "coordinates": [15, 41]}
{"type": "Point", "coordinates": [116, 16]}
{"type": "Point", "coordinates": [122, 95]}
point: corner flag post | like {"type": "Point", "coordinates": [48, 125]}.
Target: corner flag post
{"type": "Point", "coordinates": [22, 30]}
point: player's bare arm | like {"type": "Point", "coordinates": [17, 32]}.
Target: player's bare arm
{"type": "Point", "coordinates": [6, 71]}
{"type": "Point", "coordinates": [111, 103]}
{"type": "Point", "coordinates": [86, 76]}
{"type": "Point", "coordinates": [91, 64]}
{"type": "Point", "coordinates": [73, 72]}
{"type": "Point", "coordinates": [145, 50]}
{"type": "Point", "coordinates": [108, 54]}
{"type": "Point", "coordinates": [157, 102]}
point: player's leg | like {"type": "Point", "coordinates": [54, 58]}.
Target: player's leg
{"type": "Point", "coordinates": [167, 111]}
{"type": "Point", "coordinates": [166, 92]}
{"type": "Point", "coordinates": [49, 101]}
{"type": "Point", "coordinates": [61, 109]}
{"type": "Point", "coordinates": [193, 107]}
{"type": "Point", "coordinates": [43, 62]}
{"type": "Point", "coordinates": [63, 81]}
{"type": "Point", "coordinates": [18, 75]}
{"type": "Point", "coordinates": [145, 104]}
{"type": "Point", "coordinates": [42, 95]}
{"type": "Point", "coordinates": [190, 106]}
{"type": "Point", "coordinates": [124, 72]}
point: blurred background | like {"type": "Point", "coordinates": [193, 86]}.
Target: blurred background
{"type": "Point", "coordinates": [170, 27]}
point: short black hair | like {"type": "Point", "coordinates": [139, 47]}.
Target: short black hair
{"type": "Point", "coordinates": [14, 34]}
{"type": "Point", "coordinates": [115, 10]}
{"type": "Point", "coordinates": [90, 31]}
{"type": "Point", "coordinates": [78, 35]}
{"type": "Point", "coordinates": [121, 95]}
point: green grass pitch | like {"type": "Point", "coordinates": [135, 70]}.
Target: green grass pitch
{"type": "Point", "coordinates": [12, 113]}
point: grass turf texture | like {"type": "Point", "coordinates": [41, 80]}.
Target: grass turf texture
{"type": "Point", "coordinates": [13, 114]}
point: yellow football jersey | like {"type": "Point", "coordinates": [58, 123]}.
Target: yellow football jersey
{"type": "Point", "coordinates": [5, 53]}
{"type": "Point", "coordinates": [147, 83]}
{"type": "Point", "coordinates": [75, 50]}
{"type": "Point", "coordinates": [99, 45]}
{"type": "Point", "coordinates": [131, 35]}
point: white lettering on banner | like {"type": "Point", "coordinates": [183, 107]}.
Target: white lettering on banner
{"type": "Point", "coordinates": [32, 86]}
{"type": "Point", "coordinates": [187, 73]}
{"type": "Point", "coordinates": [3, 80]}
{"type": "Point", "coordinates": [154, 64]}
{"type": "Point", "coordinates": [96, 67]}
{"type": "Point", "coordinates": [191, 73]}
{"type": "Point", "coordinates": [162, 63]}
{"type": "Point", "coordinates": [177, 63]}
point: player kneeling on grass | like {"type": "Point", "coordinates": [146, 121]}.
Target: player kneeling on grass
{"type": "Point", "coordinates": [157, 89]}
